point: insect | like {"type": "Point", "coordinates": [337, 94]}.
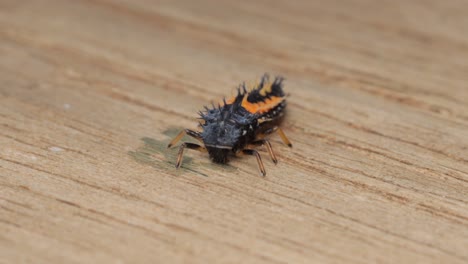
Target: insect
{"type": "Point", "coordinates": [239, 124]}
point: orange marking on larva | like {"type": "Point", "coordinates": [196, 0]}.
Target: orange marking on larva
{"type": "Point", "coordinates": [231, 100]}
{"type": "Point", "coordinates": [261, 107]}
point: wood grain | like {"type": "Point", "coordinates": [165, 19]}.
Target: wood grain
{"type": "Point", "coordinates": [92, 91]}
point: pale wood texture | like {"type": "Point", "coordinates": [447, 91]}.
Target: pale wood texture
{"type": "Point", "coordinates": [92, 91]}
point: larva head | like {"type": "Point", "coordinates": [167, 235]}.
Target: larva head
{"type": "Point", "coordinates": [223, 129]}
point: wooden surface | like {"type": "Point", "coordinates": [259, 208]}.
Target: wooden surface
{"type": "Point", "coordinates": [92, 91]}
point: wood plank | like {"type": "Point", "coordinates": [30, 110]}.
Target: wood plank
{"type": "Point", "coordinates": [92, 91]}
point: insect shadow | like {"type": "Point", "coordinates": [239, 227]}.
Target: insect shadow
{"type": "Point", "coordinates": [154, 153]}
